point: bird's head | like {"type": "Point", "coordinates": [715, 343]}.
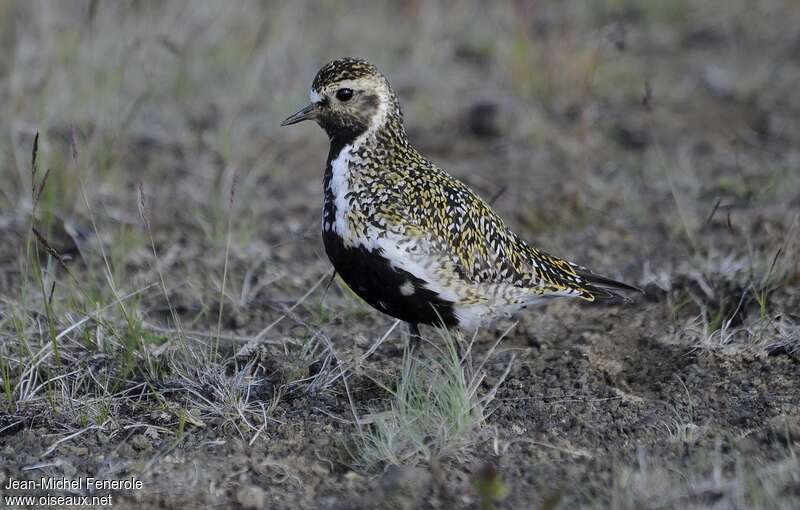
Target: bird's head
{"type": "Point", "coordinates": [349, 97]}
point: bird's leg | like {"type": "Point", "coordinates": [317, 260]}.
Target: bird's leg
{"type": "Point", "coordinates": [414, 337]}
{"type": "Point", "coordinates": [458, 340]}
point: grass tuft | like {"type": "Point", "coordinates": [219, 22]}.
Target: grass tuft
{"type": "Point", "coordinates": [436, 409]}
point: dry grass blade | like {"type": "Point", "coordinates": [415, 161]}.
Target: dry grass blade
{"type": "Point", "coordinates": [143, 214]}
{"type": "Point", "coordinates": [50, 250]}
{"type": "Point", "coordinates": [253, 343]}
{"type": "Point", "coordinates": [63, 440]}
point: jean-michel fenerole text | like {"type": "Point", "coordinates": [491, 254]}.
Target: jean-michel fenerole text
{"type": "Point", "coordinates": [88, 483]}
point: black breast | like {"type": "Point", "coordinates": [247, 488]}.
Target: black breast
{"type": "Point", "coordinates": [373, 278]}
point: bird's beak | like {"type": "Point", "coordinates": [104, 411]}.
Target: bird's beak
{"type": "Point", "coordinates": [307, 113]}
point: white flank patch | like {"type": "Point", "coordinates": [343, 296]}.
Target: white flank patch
{"type": "Point", "coordinates": [470, 317]}
{"type": "Point", "coordinates": [400, 258]}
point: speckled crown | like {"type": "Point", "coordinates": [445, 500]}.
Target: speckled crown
{"type": "Point", "coordinates": [344, 69]}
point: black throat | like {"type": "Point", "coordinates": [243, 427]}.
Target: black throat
{"type": "Point", "coordinates": [341, 134]}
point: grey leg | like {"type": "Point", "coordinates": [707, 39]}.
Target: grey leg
{"type": "Point", "coordinates": [414, 337]}
{"type": "Point", "coordinates": [459, 349]}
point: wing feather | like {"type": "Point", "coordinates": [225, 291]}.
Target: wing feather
{"type": "Point", "coordinates": [484, 250]}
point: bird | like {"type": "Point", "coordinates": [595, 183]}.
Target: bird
{"type": "Point", "coordinates": [408, 238]}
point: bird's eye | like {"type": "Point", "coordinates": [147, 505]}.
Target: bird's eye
{"type": "Point", "coordinates": [344, 94]}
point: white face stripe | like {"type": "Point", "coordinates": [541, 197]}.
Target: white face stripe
{"type": "Point", "coordinates": [379, 119]}
{"type": "Point", "coordinates": [340, 169]}
{"type": "Point", "coordinates": [317, 96]}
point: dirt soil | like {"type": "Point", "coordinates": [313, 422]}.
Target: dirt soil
{"type": "Point", "coordinates": [658, 145]}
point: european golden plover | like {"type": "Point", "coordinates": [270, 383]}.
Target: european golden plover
{"type": "Point", "coordinates": [408, 238]}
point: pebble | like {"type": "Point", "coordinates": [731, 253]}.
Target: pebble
{"type": "Point", "coordinates": [251, 496]}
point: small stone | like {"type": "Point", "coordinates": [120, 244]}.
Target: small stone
{"type": "Point", "coordinates": [68, 469]}
{"type": "Point", "coordinates": [630, 137]}
{"type": "Point", "coordinates": [352, 475]}
{"type": "Point", "coordinates": [251, 496]}
{"type": "Point", "coordinates": [482, 120]}
{"type": "Point", "coordinates": [80, 451]}
{"type": "Point", "coordinates": [140, 442]}
{"type": "Point", "coordinates": [403, 487]}
{"type": "Point", "coordinates": [721, 81]}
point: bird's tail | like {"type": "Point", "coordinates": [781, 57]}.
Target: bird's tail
{"type": "Point", "coordinates": [595, 286]}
